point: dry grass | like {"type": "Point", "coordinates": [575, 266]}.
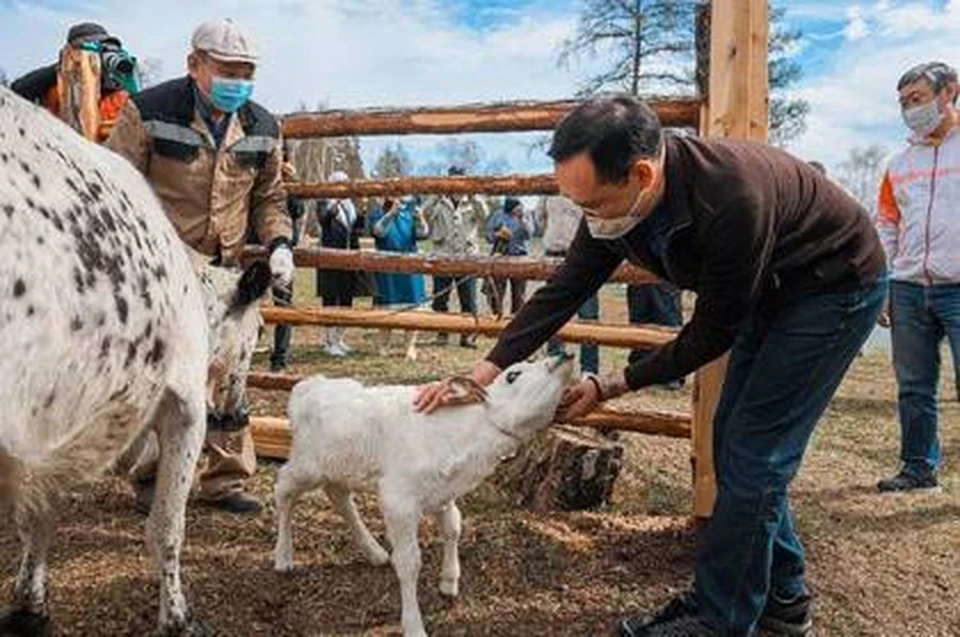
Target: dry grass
{"type": "Point", "coordinates": [879, 565]}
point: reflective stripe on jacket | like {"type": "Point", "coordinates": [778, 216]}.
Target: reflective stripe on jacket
{"type": "Point", "coordinates": [210, 194]}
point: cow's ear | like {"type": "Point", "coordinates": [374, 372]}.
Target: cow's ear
{"type": "Point", "coordinates": [252, 286]}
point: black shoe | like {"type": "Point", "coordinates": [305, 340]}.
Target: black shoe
{"type": "Point", "coordinates": [237, 502]}
{"type": "Point", "coordinates": [23, 622]}
{"type": "Point", "coordinates": [469, 341]}
{"type": "Point", "coordinates": [787, 617]}
{"type": "Point", "coordinates": [277, 366]}
{"type": "Point", "coordinates": [679, 618]}
{"type": "Point", "coordinates": [904, 481]}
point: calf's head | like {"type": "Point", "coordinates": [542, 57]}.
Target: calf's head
{"type": "Point", "coordinates": [231, 299]}
{"type": "Point", "coordinates": [525, 396]}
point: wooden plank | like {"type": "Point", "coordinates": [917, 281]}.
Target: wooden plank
{"type": "Point", "coordinates": [499, 185]}
{"type": "Point", "coordinates": [272, 436]}
{"type": "Point", "coordinates": [708, 386]}
{"type": "Point", "coordinates": [530, 268]}
{"type": "Point", "coordinates": [736, 106]}
{"type": "Point", "coordinates": [575, 332]}
{"type": "Point", "coordinates": [469, 118]}
{"type": "Point", "coordinates": [78, 91]}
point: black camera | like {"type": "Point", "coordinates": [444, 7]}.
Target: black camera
{"type": "Point", "coordinates": [118, 69]}
{"type": "Point", "coordinates": [118, 62]}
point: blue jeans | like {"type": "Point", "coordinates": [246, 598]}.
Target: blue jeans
{"type": "Point", "coordinates": [589, 353]}
{"type": "Point", "coordinates": [920, 317]}
{"type": "Point", "coordinates": [466, 293]}
{"type": "Point", "coordinates": [781, 376]}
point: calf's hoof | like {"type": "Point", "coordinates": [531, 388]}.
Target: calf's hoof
{"type": "Point", "coordinates": [189, 628]}
{"type": "Point", "coordinates": [377, 556]}
{"type": "Point", "coordinates": [23, 623]}
{"type": "Point", "coordinates": [449, 587]}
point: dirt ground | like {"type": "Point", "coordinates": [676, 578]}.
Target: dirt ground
{"type": "Point", "coordinates": [878, 565]}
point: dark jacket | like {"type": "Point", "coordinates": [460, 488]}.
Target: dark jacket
{"type": "Point", "coordinates": [35, 85]}
{"type": "Point", "coordinates": [752, 229]}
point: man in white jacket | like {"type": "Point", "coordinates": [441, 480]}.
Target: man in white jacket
{"type": "Point", "coordinates": [920, 231]}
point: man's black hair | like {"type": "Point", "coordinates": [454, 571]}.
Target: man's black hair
{"type": "Point", "coordinates": [938, 74]}
{"type": "Point", "coordinates": [615, 131]}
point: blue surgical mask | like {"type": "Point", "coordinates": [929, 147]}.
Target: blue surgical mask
{"type": "Point", "coordinates": [228, 95]}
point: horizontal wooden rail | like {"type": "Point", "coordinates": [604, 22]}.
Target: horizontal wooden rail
{"type": "Point", "coordinates": [469, 118]}
{"type": "Point", "coordinates": [272, 436]}
{"type": "Point", "coordinates": [530, 268]}
{"type": "Point", "coordinates": [499, 185]}
{"type": "Point", "coordinates": [575, 332]}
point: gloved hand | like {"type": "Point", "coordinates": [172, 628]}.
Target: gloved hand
{"type": "Point", "coordinates": [281, 265]}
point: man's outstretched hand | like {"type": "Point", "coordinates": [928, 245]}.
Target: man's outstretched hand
{"type": "Point", "coordinates": [432, 396]}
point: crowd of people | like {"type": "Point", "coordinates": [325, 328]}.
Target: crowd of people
{"type": "Point", "coordinates": [790, 274]}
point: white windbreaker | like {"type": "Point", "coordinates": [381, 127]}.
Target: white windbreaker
{"type": "Point", "coordinates": [918, 212]}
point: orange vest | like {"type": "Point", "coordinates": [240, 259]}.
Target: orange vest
{"type": "Point", "coordinates": [109, 108]}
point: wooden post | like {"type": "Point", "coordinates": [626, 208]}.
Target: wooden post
{"type": "Point", "coordinates": [736, 106]}
{"type": "Point", "coordinates": [78, 90]}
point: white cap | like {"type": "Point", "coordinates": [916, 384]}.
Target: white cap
{"type": "Point", "coordinates": [224, 41]}
{"type": "Point", "coordinates": [338, 176]}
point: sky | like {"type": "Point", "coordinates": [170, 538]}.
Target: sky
{"type": "Point", "coordinates": [355, 53]}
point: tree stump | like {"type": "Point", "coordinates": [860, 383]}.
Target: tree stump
{"type": "Point", "coordinates": [562, 469]}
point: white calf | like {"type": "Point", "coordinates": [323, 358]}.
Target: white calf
{"type": "Point", "coordinates": [347, 438]}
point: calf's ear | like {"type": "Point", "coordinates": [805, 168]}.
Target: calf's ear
{"type": "Point", "coordinates": [252, 286]}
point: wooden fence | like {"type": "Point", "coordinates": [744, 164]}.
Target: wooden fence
{"type": "Point", "coordinates": [733, 103]}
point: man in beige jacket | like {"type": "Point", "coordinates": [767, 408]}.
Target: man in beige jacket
{"type": "Point", "coordinates": [214, 159]}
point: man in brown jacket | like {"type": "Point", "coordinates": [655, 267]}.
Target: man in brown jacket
{"type": "Point", "coordinates": [214, 159]}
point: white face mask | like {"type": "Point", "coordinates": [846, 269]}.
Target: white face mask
{"type": "Point", "coordinates": [923, 119]}
{"type": "Point", "coordinates": [614, 227]}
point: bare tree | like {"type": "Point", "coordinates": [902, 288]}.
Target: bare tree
{"type": "Point", "coordinates": [316, 159]}
{"type": "Point", "coordinates": [149, 71]}
{"type": "Point", "coordinates": [632, 33]}
{"type": "Point", "coordinates": [393, 162]}
{"type": "Point", "coordinates": [861, 173]}
{"type": "Point", "coordinates": [650, 45]}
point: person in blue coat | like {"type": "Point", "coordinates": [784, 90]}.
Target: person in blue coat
{"type": "Point", "coordinates": [396, 227]}
{"type": "Point", "coordinates": [508, 232]}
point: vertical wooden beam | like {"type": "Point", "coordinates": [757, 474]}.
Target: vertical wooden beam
{"type": "Point", "coordinates": [78, 90]}
{"type": "Point", "coordinates": [736, 106]}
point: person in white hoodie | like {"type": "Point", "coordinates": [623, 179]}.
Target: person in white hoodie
{"type": "Point", "coordinates": [340, 227]}
{"type": "Point", "coordinates": [920, 231]}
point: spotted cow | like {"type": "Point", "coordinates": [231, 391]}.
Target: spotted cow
{"type": "Point", "coordinates": [107, 334]}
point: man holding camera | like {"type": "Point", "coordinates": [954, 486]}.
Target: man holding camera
{"type": "Point", "coordinates": [93, 68]}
